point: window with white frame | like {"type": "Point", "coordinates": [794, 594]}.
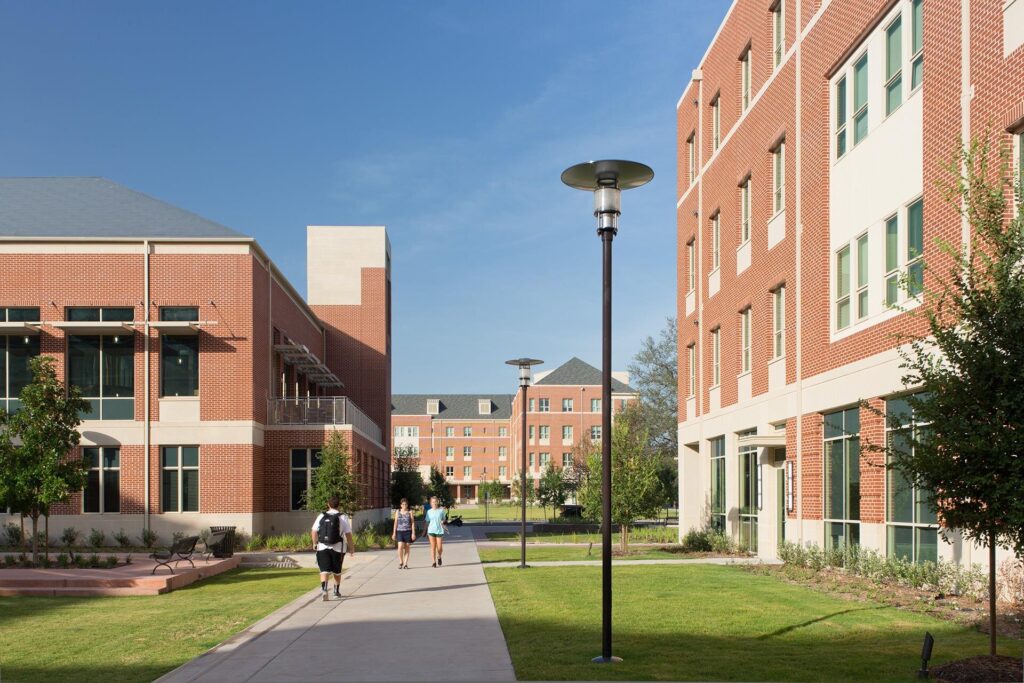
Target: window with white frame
{"type": "Point", "coordinates": [840, 103]}
{"type": "Point", "coordinates": [595, 433]}
{"type": "Point", "coordinates": [691, 362]}
{"type": "Point", "coordinates": [745, 321]}
{"type": "Point", "coordinates": [893, 64]}
{"type": "Point", "coordinates": [544, 405]}
{"type": "Point", "coordinates": [467, 431]}
{"type": "Point", "coordinates": [745, 80]}
{"type": "Point", "coordinates": [691, 262]}
{"type": "Point", "coordinates": [779, 177]}
{"type": "Point", "coordinates": [503, 471]}
{"type": "Point", "coordinates": [567, 432]}
{"type": "Point", "coordinates": [716, 241]}
{"type": "Point", "coordinates": [779, 322]}
{"type": "Point", "coordinates": [467, 452]}
{"type": "Point", "coordinates": [533, 405]}
{"type": "Point", "coordinates": [716, 357]}
{"type": "Point", "coordinates": [566, 459]}
{"type": "Point", "coordinates": [691, 156]}
{"type": "Point", "coordinates": [595, 405]}
{"type": "Point", "coordinates": [449, 453]}
{"type": "Point", "coordinates": [304, 463]}
{"type": "Point", "coordinates": [778, 33]}
{"type": "Point", "coordinates": [915, 248]}
{"type": "Point", "coordinates": [916, 43]}
{"type": "Point", "coordinates": [102, 491]}
{"type": "Point", "coordinates": [502, 452]}
{"type": "Point", "coordinates": [842, 478]}
{"type": "Point", "coordinates": [913, 531]}
{"type": "Point", "coordinates": [566, 405]}
{"type": "Point", "coordinates": [544, 432]}
{"type": "Point", "coordinates": [467, 472]}
{"type": "Point", "coordinates": [533, 459]}
{"type": "Point", "coordinates": [913, 238]}
{"type": "Point", "coordinates": [532, 432]}
{"type": "Point", "coordinates": [716, 122]}
{"type": "Point", "coordinates": [502, 431]}
{"type": "Point", "coordinates": [863, 301]}
{"type": "Point", "coordinates": [449, 471]}
{"type": "Point", "coordinates": [449, 431]}
{"type": "Point", "coordinates": [892, 260]}
{"type": "Point", "coordinates": [545, 459]}
{"type": "Point", "coordinates": [843, 288]}
{"type": "Point", "coordinates": [745, 210]}
{"type": "Point", "coordinates": [860, 99]}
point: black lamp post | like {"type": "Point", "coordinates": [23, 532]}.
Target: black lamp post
{"type": "Point", "coordinates": [524, 365]}
{"type": "Point", "coordinates": [606, 179]}
{"type": "Point", "coordinates": [484, 487]}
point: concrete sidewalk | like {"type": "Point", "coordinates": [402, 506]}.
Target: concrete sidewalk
{"type": "Point", "coordinates": [420, 624]}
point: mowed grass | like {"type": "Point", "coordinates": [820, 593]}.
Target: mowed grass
{"type": "Point", "coordinates": [136, 638]}
{"type": "Point", "coordinates": [499, 512]}
{"type": "Point", "coordinates": [654, 534]}
{"type": "Point", "coordinates": [706, 622]}
{"type": "Point", "coordinates": [557, 554]}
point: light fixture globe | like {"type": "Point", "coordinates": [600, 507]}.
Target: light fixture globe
{"type": "Point", "coordinates": [524, 365]}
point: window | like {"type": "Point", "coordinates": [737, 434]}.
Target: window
{"type": "Point", "coordinates": [467, 431]}
{"type": "Point", "coordinates": [566, 405]}
{"type": "Point", "coordinates": [842, 478]}
{"type": "Point", "coordinates": [467, 472]}
{"type": "Point", "coordinates": [750, 494]}
{"type": "Point", "coordinates": [533, 405]}
{"type": "Point", "coordinates": [15, 354]}
{"type": "Point", "coordinates": [745, 80]}
{"type": "Point", "coordinates": [407, 431]}
{"type": "Point", "coordinates": [595, 433]}
{"type": "Point", "coordinates": [502, 452]}
{"type": "Point", "coordinates": [779, 322]}
{"type": "Point", "coordinates": [185, 313]}
{"type": "Point", "coordinates": [103, 368]}
{"type": "Point", "coordinates": [449, 453]}
{"type": "Point", "coordinates": [449, 431]}
{"type": "Point", "coordinates": [892, 260]}
{"type": "Point", "coordinates": [779, 177]}
{"type": "Point", "coordinates": [860, 99]}
{"type": "Point", "coordinates": [916, 43]}
{"type": "Point", "coordinates": [502, 471]}
{"type": "Point", "coordinates": [716, 357]}
{"type": "Point", "coordinates": [717, 451]}
{"type": "Point", "coordinates": [467, 452]}
{"type": "Point", "coordinates": [841, 117]}
{"type": "Point", "coordinates": [745, 210]}
{"type": "Point", "coordinates": [716, 123]}
{"type": "Point", "coordinates": [103, 486]}
{"type": "Point", "coordinates": [179, 365]}
{"type": "Point", "coordinates": [566, 460]}
{"type": "Point", "coordinates": [533, 460]}
{"type": "Point", "coordinates": [449, 471]}
{"type": "Point", "coordinates": [531, 432]}
{"type": "Point", "coordinates": [691, 270]}
{"type": "Point", "coordinates": [544, 432]}
{"type": "Point", "coordinates": [915, 248]}
{"type": "Point", "coordinates": [180, 478]}
{"type": "Point", "coordinates": [862, 277]}
{"type": "Point", "coordinates": [691, 158]}
{"type": "Point", "coordinates": [778, 33]}
{"type": "Point", "coordinates": [691, 361]}
{"type": "Point", "coordinates": [566, 432]}
{"type": "Point", "coordinates": [716, 242]}
{"type": "Point", "coordinates": [544, 405]}
{"type": "Point", "coordinates": [893, 65]}
{"type": "Point", "coordinates": [545, 459]}
{"type": "Point", "coordinates": [912, 523]}
{"type": "Point", "coordinates": [20, 314]}
{"type": "Point", "coordinates": [83, 314]}
{"type": "Point", "coordinates": [843, 288]}
{"type": "Point", "coordinates": [595, 405]}
{"type": "Point", "coordinates": [745, 340]}
{"type": "Point", "coordinates": [502, 431]}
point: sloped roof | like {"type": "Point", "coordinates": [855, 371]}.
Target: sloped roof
{"type": "Point", "coordinates": [575, 372]}
{"type": "Point", "coordinates": [453, 406]}
{"type": "Point", "coordinates": [77, 207]}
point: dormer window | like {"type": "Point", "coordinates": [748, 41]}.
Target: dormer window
{"type": "Point", "coordinates": [433, 406]}
{"type": "Point", "coordinates": [484, 406]}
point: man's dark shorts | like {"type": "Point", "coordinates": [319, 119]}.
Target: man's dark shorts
{"type": "Point", "coordinates": [329, 561]}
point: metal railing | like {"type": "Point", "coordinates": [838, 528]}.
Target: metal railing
{"type": "Point", "coordinates": [337, 410]}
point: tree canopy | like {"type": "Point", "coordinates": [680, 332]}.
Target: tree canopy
{"type": "Point", "coordinates": [334, 476]}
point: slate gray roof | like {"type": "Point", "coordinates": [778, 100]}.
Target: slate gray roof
{"type": "Point", "coordinates": [453, 406]}
{"type": "Point", "coordinates": [94, 207]}
{"type": "Point", "coordinates": [575, 372]}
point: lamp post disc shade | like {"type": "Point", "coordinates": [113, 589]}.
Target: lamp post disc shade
{"type": "Point", "coordinates": [523, 362]}
{"type": "Point", "coordinates": [591, 175]}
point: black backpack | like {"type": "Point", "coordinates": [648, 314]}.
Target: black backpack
{"type": "Point", "coordinates": [329, 531]}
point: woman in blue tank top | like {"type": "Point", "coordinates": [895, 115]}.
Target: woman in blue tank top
{"type": "Point", "coordinates": [436, 529]}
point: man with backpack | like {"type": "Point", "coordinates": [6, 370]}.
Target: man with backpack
{"type": "Point", "coordinates": [332, 535]}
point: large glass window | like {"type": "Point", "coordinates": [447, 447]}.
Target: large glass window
{"type": "Point", "coordinates": [103, 484]}
{"type": "Point", "coordinates": [93, 314]}
{"type": "Point", "coordinates": [20, 314]}
{"type": "Point", "coordinates": [179, 313]}
{"type": "Point", "coordinates": [916, 43]}
{"type": "Point", "coordinates": [842, 478]}
{"type": "Point", "coordinates": [912, 528]}
{"type": "Point", "coordinates": [860, 99]}
{"type": "Point", "coordinates": [843, 288]}
{"type": "Point", "coordinates": [179, 480]}
{"type": "Point", "coordinates": [750, 494]}
{"type": "Point", "coordinates": [304, 463]}
{"type": "Point", "coordinates": [717, 450]}
{"type": "Point", "coordinates": [103, 369]}
{"type": "Point", "coordinates": [841, 117]}
{"type": "Point", "coordinates": [15, 373]}
{"type": "Point", "coordinates": [179, 365]}
{"type": "Point", "coordinates": [893, 65]}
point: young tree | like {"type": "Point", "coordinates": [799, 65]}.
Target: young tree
{"type": "Point", "coordinates": [637, 492]}
{"type": "Point", "coordinates": [551, 489]}
{"type": "Point", "coordinates": [406, 481]}
{"type": "Point", "coordinates": [654, 373]}
{"type": "Point", "coordinates": [333, 477]}
{"type": "Point", "coordinates": [439, 487]}
{"type": "Point", "coordinates": [531, 488]}
{"type": "Point", "coordinates": [493, 491]}
{"type": "Point", "coordinates": [37, 467]}
{"type": "Point", "coordinates": [968, 370]}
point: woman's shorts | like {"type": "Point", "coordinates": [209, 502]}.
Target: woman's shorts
{"type": "Point", "coordinates": [329, 561]}
{"type": "Point", "coordinates": [404, 536]}
{"type": "Point", "coordinates": [437, 535]}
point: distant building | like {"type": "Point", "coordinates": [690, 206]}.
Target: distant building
{"type": "Point", "coordinates": [473, 438]}
{"type": "Point", "coordinates": [213, 384]}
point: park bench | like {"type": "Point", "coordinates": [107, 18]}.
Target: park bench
{"type": "Point", "coordinates": [180, 551]}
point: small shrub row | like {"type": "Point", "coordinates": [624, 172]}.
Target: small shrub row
{"type": "Point", "coordinates": [708, 540]}
{"type": "Point", "coordinates": [941, 576]}
{"type": "Point", "coordinates": [63, 561]}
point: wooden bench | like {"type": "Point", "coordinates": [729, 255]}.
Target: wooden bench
{"type": "Point", "coordinates": [180, 551]}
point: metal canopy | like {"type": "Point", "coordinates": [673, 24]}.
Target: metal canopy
{"type": "Point", "coordinates": [592, 175]}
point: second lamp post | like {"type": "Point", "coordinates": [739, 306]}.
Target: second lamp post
{"type": "Point", "coordinates": [524, 365]}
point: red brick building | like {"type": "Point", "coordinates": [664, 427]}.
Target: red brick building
{"type": "Point", "coordinates": [213, 384]}
{"type": "Point", "coordinates": [473, 438]}
{"type": "Point", "coordinates": [811, 138]}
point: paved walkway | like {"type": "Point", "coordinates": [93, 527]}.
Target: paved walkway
{"type": "Point", "coordinates": [420, 624]}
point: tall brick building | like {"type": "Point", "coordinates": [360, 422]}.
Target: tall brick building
{"type": "Point", "coordinates": [473, 438]}
{"type": "Point", "coordinates": [213, 384]}
{"type": "Point", "coordinates": [811, 138]}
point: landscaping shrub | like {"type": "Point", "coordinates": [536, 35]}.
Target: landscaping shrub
{"type": "Point", "coordinates": [177, 536]}
{"type": "Point", "coordinates": [12, 532]}
{"type": "Point", "coordinates": [148, 538]}
{"type": "Point", "coordinates": [10, 560]}
{"type": "Point", "coordinates": [81, 561]}
{"type": "Point", "coordinates": [697, 541]}
{"type": "Point", "coordinates": [69, 537]}
{"type": "Point", "coordinates": [255, 542]}
{"type": "Point", "coordinates": [63, 561]}
{"type": "Point", "coordinates": [122, 539]}
{"type": "Point", "coordinates": [45, 562]}
{"type": "Point", "coordinates": [96, 538]}
{"type": "Point", "coordinates": [111, 561]}
{"type": "Point", "coordinates": [94, 561]}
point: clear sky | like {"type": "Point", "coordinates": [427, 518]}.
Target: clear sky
{"type": "Point", "coordinates": [448, 122]}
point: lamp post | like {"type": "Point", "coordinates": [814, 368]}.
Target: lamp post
{"type": "Point", "coordinates": [486, 491]}
{"type": "Point", "coordinates": [524, 365]}
{"type": "Point", "coordinates": [606, 179]}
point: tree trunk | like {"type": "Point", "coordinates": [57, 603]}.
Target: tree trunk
{"type": "Point", "coordinates": [35, 537]}
{"type": "Point", "coordinates": [992, 593]}
{"type": "Point", "coordinates": [24, 538]}
{"type": "Point", "coordinates": [46, 532]}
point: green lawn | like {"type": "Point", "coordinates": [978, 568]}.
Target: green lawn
{"type": "Point", "coordinates": [555, 553]}
{"type": "Point", "coordinates": [499, 512]}
{"type": "Point", "coordinates": [657, 534]}
{"type": "Point", "coordinates": [706, 622]}
{"type": "Point", "coordinates": [136, 638]}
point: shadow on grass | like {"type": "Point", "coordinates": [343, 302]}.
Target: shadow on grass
{"type": "Point", "coordinates": [792, 627]}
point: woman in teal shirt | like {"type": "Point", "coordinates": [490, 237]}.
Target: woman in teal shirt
{"type": "Point", "coordinates": [436, 529]}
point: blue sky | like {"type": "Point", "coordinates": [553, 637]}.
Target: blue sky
{"type": "Point", "coordinates": [449, 122]}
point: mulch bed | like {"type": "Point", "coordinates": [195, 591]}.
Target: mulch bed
{"type": "Point", "coordinates": [983, 669]}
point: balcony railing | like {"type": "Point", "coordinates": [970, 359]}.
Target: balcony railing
{"type": "Point", "coordinates": [336, 410]}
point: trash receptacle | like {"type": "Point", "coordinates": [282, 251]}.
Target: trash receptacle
{"type": "Point", "coordinates": [225, 548]}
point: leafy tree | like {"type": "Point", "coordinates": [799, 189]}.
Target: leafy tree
{"type": "Point", "coordinates": [37, 469]}
{"type": "Point", "coordinates": [439, 487]}
{"type": "Point", "coordinates": [406, 480]}
{"type": "Point", "coordinates": [637, 493]}
{"type": "Point", "coordinates": [334, 476]}
{"type": "Point", "coordinates": [968, 368]}
{"type": "Point", "coordinates": [531, 488]}
{"type": "Point", "coordinates": [551, 489]}
{"type": "Point", "coordinates": [492, 490]}
{"type": "Point", "coordinates": [654, 373]}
